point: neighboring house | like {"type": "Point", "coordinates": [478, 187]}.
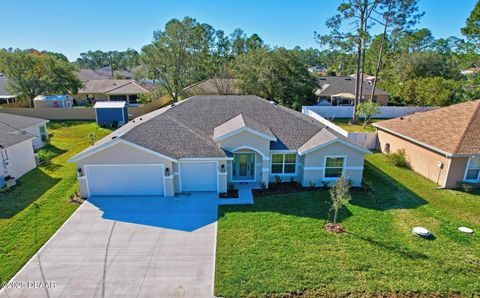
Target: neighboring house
{"type": "Point", "coordinates": [110, 90]}
{"type": "Point", "coordinates": [366, 78]}
{"type": "Point", "coordinates": [5, 96]}
{"type": "Point", "coordinates": [470, 71]}
{"type": "Point", "coordinates": [16, 155]}
{"type": "Point", "coordinates": [443, 144]}
{"type": "Point", "coordinates": [205, 142]}
{"type": "Point", "coordinates": [213, 87]}
{"type": "Point", "coordinates": [341, 91]}
{"type": "Point", "coordinates": [104, 73]}
{"type": "Point", "coordinates": [35, 128]}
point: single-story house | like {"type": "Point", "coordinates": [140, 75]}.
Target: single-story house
{"type": "Point", "coordinates": [443, 144]}
{"type": "Point", "coordinates": [35, 128]}
{"type": "Point", "coordinates": [110, 90]}
{"type": "Point", "coordinates": [16, 156]}
{"type": "Point", "coordinates": [341, 91]}
{"type": "Point", "coordinates": [104, 73]}
{"type": "Point", "coordinates": [205, 142]}
{"type": "Point", "coordinates": [214, 86]}
{"type": "Point", "coordinates": [5, 96]}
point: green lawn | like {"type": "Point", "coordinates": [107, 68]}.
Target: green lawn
{"type": "Point", "coordinates": [343, 123]}
{"type": "Point", "coordinates": [279, 247]}
{"type": "Point", "coordinates": [38, 206]}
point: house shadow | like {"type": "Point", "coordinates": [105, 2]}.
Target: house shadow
{"type": "Point", "coordinates": [397, 249]}
{"type": "Point", "coordinates": [385, 192]}
{"type": "Point", "coordinates": [183, 213]}
{"type": "Point", "coordinates": [28, 189]}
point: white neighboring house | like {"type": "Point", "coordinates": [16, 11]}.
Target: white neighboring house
{"type": "Point", "coordinates": [16, 156]}
{"type": "Point", "coordinates": [36, 128]}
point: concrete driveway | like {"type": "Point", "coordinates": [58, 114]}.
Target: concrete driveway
{"type": "Point", "coordinates": [130, 247]}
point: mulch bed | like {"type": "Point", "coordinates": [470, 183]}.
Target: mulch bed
{"type": "Point", "coordinates": [289, 187]}
{"type": "Point", "coordinates": [230, 194]}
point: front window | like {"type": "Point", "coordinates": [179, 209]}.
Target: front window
{"type": "Point", "coordinates": [284, 163]}
{"type": "Point", "coordinates": [473, 169]}
{"type": "Point", "coordinates": [43, 133]}
{"type": "Point", "coordinates": [334, 167]}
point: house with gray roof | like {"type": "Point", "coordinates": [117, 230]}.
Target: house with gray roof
{"type": "Point", "coordinates": [205, 142]}
{"type": "Point", "coordinates": [36, 128]}
{"type": "Point", "coordinates": [16, 156]}
{"type": "Point", "coordinates": [110, 90]}
{"type": "Point", "coordinates": [341, 91]}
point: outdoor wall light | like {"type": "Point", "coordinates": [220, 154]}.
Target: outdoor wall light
{"type": "Point", "coordinates": [167, 172]}
{"type": "Point", "coordinates": [80, 172]}
{"type": "Point", "coordinates": [222, 168]}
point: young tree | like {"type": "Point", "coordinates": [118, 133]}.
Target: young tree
{"type": "Point", "coordinates": [178, 54]}
{"type": "Point", "coordinates": [32, 74]}
{"type": "Point", "coordinates": [340, 194]}
{"type": "Point", "coordinates": [367, 110]}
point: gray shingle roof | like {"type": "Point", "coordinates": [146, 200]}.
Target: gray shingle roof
{"type": "Point", "coordinates": [111, 87]}
{"type": "Point", "coordinates": [186, 130]}
{"type": "Point", "coordinates": [14, 123]}
{"type": "Point", "coordinates": [334, 85]}
{"type": "Point", "coordinates": [237, 123]}
{"type": "Point", "coordinates": [10, 139]}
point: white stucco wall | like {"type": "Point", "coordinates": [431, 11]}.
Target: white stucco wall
{"type": "Point", "coordinates": [35, 130]}
{"type": "Point", "coordinates": [21, 159]}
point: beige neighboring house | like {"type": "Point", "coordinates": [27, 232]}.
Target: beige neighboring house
{"type": "Point", "coordinates": [205, 142]}
{"type": "Point", "coordinates": [442, 145]}
{"type": "Point", "coordinates": [35, 128]}
{"type": "Point", "coordinates": [341, 91]}
{"type": "Point", "coordinates": [213, 87]}
{"type": "Point", "coordinates": [16, 156]}
{"type": "Point", "coordinates": [110, 90]}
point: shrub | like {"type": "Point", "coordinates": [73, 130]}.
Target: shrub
{"type": "Point", "coordinates": [277, 181]}
{"type": "Point", "coordinates": [340, 194]}
{"type": "Point", "coordinates": [263, 185]}
{"type": "Point", "coordinates": [325, 184]}
{"type": "Point", "coordinates": [231, 186]}
{"type": "Point", "coordinates": [45, 155]}
{"type": "Point", "coordinates": [398, 158]}
{"type": "Point", "coordinates": [466, 186]}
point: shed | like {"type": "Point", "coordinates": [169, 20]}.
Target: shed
{"type": "Point", "coordinates": [111, 113]}
{"type": "Point", "coordinates": [53, 101]}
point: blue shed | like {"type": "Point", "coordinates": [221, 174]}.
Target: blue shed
{"type": "Point", "coordinates": [111, 113]}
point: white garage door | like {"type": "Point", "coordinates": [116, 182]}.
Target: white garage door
{"type": "Point", "coordinates": [117, 180]}
{"type": "Point", "coordinates": [198, 176]}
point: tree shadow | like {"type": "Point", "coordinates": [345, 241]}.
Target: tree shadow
{"type": "Point", "coordinates": [385, 192]}
{"type": "Point", "coordinates": [311, 204]}
{"type": "Point", "coordinates": [29, 188]}
{"type": "Point", "coordinates": [397, 249]}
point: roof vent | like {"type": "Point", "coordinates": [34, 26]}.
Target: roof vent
{"type": "Point", "coordinates": [172, 105]}
{"type": "Point", "coordinates": [141, 119]}
{"type": "Point", "coordinates": [401, 118]}
{"type": "Point", "coordinates": [323, 79]}
{"type": "Point", "coordinates": [273, 103]}
{"type": "Point", "coordinates": [348, 79]}
{"type": "Point", "coordinates": [114, 137]}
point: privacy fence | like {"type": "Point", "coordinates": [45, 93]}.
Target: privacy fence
{"type": "Point", "coordinates": [386, 112]}
{"type": "Point", "coordinates": [80, 113]}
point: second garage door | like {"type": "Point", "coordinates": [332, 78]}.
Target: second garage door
{"type": "Point", "coordinates": [117, 180]}
{"type": "Point", "coordinates": [198, 176]}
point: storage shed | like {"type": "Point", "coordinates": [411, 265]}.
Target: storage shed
{"type": "Point", "coordinates": [111, 113]}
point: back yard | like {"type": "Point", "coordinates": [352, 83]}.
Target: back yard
{"type": "Point", "coordinates": [343, 123]}
{"type": "Point", "coordinates": [39, 204]}
{"type": "Point", "coordinates": [279, 247]}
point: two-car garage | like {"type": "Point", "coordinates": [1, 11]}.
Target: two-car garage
{"type": "Point", "coordinates": [148, 179]}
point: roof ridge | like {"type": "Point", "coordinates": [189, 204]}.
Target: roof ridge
{"type": "Point", "coordinates": [110, 90]}
{"type": "Point", "coordinates": [464, 133]}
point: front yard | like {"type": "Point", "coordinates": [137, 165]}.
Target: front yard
{"type": "Point", "coordinates": [279, 247]}
{"type": "Point", "coordinates": [32, 212]}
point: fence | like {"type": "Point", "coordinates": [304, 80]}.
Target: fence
{"type": "Point", "coordinates": [330, 112]}
{"type": "Point", "coordinates": [80, 113]}
{"type": "Point", "coordinates": [365, 139]}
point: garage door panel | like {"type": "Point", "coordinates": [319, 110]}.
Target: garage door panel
{"type": "Point", "coordinates": [109, 180]}
{"type": "Point", "coordinates": [198, 176]}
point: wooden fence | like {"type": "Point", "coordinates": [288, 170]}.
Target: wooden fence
{"type": "Point", "coordinates": [81, 113]}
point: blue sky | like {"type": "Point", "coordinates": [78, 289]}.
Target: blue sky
{"type": "Point", "coordinates": [72, 26]}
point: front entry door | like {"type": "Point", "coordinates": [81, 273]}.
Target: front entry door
{"type": "Point", "coordinates": [244, 166]}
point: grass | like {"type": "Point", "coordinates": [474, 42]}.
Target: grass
{"type": "Point", "coordinates": [343, 123]}
{"type": "Point", "coordinates": [278, 247]}
{"type": "Point", "coordinates": [32, 212]}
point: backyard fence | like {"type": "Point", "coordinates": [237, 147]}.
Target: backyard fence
{"type": "Point", "coordinates": [365, 139]}
{"type": "Point", "coordinates": [80, 113]}
{"type": "Point", "coordinates": [386, 112]}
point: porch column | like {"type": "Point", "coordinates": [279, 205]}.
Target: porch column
{"type": "Point", "coordinates": [265, 171]}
